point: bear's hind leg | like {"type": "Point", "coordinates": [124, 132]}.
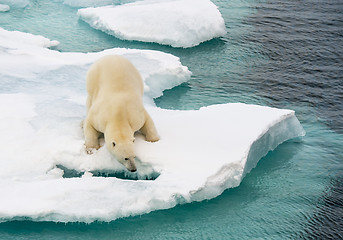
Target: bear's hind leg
{"type": "Point", "coordinates": [149, 129]}
{"type": "Point", "coordinates": [91, 137]}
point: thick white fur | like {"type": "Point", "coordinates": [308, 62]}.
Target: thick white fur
{"type": "Point", "coordinates": [115, 108]}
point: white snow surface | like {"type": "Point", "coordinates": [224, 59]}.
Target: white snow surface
{"type": "Point", "coordinates": [42, 103]}
{"type": "Point", "coordinates": [179, 23]}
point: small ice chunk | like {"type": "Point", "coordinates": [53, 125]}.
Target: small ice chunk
{"type": "Point", "coordinates": [87, 3]}
{"type": "Point", "coordinates": [4, 8]}
{"type": "Point", "coordinates": [87, 174]}
{"type": "Point", "coordinates": [56, 172]}
{"type": "Point", "coordinates": [16, 3]}
{"type": "Point", "coordinates": [15, 38]}
{"type": "Point", "coordinates": [94, 3]}
{"type": "Point", "coordinates": [179, 23]}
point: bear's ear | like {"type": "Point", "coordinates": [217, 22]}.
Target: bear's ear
{"type": "Point", "coordinates": [113, 144]}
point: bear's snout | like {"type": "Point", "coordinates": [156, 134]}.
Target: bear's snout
{"type": "Point", "coordinates": [129, 163]}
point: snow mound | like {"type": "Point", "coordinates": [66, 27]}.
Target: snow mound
{"type": "Point", "coordinates": [179, 23]}
{"type": "Point", "coordinates": [47, 175]}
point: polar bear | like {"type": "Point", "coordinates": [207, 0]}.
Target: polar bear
{"type": "Point", "coordinates": [115, 108]}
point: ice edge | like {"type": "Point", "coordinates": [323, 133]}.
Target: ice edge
{"type": "Point", "coordinates": [230, 176]}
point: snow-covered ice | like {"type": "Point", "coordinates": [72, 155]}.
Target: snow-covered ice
{"type": "Point", "coordinates": [179, 23]}
{"type": "Point", "coordinates": [42, 102]}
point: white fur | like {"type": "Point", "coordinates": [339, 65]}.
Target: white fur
{"type": "Point", "coordinates": [115, 108]}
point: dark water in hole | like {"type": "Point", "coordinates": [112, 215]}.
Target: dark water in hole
{"type": "Point", "coordinates": [72, 173]}
{"type": "Point", "coordinates": [286, 54]}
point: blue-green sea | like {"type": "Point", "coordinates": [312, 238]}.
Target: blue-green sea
{"type": "Point", "coordinates": [279, 53]}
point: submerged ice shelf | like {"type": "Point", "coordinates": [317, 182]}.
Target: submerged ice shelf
{"type": "Point", "coordinates": [201, 152]}
{"type": "Point", "coordinates": [16, 3]}
{"type": "Point", "coordinates": [175, 22]}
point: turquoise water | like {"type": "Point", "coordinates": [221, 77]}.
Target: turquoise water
{"type": "Point", "coordinates": [277, 53]}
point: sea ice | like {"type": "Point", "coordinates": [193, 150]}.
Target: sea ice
{"type": "Point", "coordinates": [179, 23]}
{"type": "Point", "coordinates": [42, 103]}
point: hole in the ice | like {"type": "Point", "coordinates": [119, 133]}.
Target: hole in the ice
{"type": "Point", "coordinates": [72, 173]}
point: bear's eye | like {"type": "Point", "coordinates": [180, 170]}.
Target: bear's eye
{"type": "Point", "coordinates": [133, 140]}
{"type": "Point", "coordinates": [114, 144]}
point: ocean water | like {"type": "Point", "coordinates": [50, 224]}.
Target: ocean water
{"type": "Point", "coordinates": [285, 54]}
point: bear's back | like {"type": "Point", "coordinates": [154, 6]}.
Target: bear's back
{"type": "Point", "coordinates": [114, 74]}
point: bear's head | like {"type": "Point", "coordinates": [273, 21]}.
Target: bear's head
{"type": "Point", "coordinates": [123, 150]}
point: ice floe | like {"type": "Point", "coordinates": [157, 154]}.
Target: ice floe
{"type": "Point", "coordinates": [179, 23]}
{"type": "Point", "coordinates": [47, 175]}
{"type": "Point", "coordinates": [159, 70]}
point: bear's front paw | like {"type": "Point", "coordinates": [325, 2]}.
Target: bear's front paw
{"type": "Point", "coordinates": [90, 150]}
{"type": "Point", "coordinates": [152, 138]}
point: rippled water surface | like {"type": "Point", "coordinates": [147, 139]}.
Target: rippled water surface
{"type": "Point", "coordinates": [286, 54]}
